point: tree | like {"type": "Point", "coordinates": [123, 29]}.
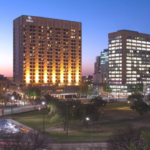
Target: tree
{"type": "Point", "coordinates": [107, 88]}
{"type": "Point", "coordinates": [98, 101]}
{"type": "Point", "coordinates": [124, 139]}
{"type": "Point", "coordinates": [32, 140]}
{"type": "Point", "coordinates": [136, 88]}
{"type": "Point", "coordinates": [86, 88]}
{"type": "Point", "coordinates": [34, 92]}
{"type": "Point", "coordinates": [146, 138]}
{"type": "Point", "coordinates": [16, 95]}
{"type": "Point", "coordinates": [141, 107]}
{"type": "Point", "coordinates": [138, 104]}
{"type": "Point", "coordinates": [137, 97]}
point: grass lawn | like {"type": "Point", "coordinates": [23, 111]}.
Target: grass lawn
{"type": "Point", "coordinates": [112, 112]}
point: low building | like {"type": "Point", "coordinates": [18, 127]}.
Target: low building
{"type": "Point", "coordinates": [88, 78]}
{"type": "Point", "coordinates": [3, 84]}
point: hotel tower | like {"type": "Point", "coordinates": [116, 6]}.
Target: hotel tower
{"type": "Point", "coordinates": [46, 51]}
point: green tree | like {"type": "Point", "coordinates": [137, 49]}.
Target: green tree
{"type": "Point", "coordinates": [138, 104]}
{"type": "Point", "coordinates": [146, 138]}
{"type": "Point", "coordinates": [107, 88]}
{"type": "Point", "coordinates": [86, 88]}
{"type": "Point", "coordinates": [98, 101]}
{"type": "Point", "coordinates": [136, 88]}
{"type": "Point", "coordinates": [34, 92]}
{"type": "Point", "coordinates": [77, 110]}
{"type": "Point", "coordinates": [126, 139]}
{"type": "Point", "coordinates": [133, 97]}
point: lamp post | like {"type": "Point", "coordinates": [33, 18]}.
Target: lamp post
{"type": "Point", "coordinates": [88, 119]}
{"type": "Point", "coordinates": [67, 119]}
{"type": "Point", "coordinates": [43, 103]}
{"type": "Point", "coordinates": [12, 98]}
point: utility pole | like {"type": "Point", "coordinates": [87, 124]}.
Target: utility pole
{"type": "Point", "coordinates": [67, 119]}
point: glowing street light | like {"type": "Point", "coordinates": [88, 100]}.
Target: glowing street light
{"type": "Point", "coordinates": [43, 103]}
{"type": "Point", "coordinates": [88, 119]}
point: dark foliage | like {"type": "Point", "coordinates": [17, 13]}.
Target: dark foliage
{"type": "Point", "coordinates": [141, 107]}
{"type": "Point", "coordinates": [123, 139]}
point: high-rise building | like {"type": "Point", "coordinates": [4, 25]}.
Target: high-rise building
{"type": "Point", "coordinates": [129, 58]}
{"type": "Point", "coordinates": [101, 68]}
{"type": "Point", "coordinates": [104, 66]}
{"type": "Point", "coordinates": [97, 70]}
{"type": "Point", "coordinates": [46, 51]}
{"type": "Point", "coordinates": [97, 65]}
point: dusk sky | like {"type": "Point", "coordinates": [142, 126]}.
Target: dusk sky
{"type": "Point", "coordinates": [98, 17]}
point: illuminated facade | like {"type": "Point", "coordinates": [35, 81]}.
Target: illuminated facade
{"type": "Point", "coordinates": [47, 51]}
{"type": "Point", "coordinates": [129, 58]}
{"type": "Point", "coordinates": [104, 66]}
{"type": "Point", "coordinates": [101, 68]}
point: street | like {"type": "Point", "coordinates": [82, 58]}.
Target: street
{"type": "Point", "coordinates": [79, 146]}
{"type": "Point", "coordinates": [18, 109]}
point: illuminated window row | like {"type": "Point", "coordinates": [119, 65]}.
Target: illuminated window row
{"type": "Point", "coordinates": [137, 41]}
{"type": "Point", "coordinates": [114, 55]}
{"type": "Point", "coordinates": [116, 44]}
{"type": "Point", "coordinates": [115, 72]}
{"type": "Point", "coordinates": [118, 47]}
{"type": "Point", "coordinates": [138, 48]}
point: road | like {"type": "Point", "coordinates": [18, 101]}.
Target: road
{"type": "Point", "coordinates": [78, 146]}
{"type": "Point", "coordinates": [18, 109]}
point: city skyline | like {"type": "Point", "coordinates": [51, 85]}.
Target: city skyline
{"type": "Point", "coordinates": [98, 19]}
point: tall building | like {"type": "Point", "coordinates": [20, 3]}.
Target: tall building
{"type": "Point", "coordinates": [104, 66]}
{"type": "Point", "coordinates": [97, 65]}
{"type": "Point", "coordinates": [97, 70]}
{"type": "Point", "coordinates": [100, 76]}
{"type": "Point", "coordinates": [46, 51]}
{"type": "Point", "coordinates": [129, 58]}
{"type": "Point", "coordinates": [101, 68]}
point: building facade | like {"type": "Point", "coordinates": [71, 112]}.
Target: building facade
{"type": "Point", "coordinates": [101, 68]}
{"type": "Point", "coordinates": [88, 78]}
{"type": "Point", "coordinates": [46, 51]}
{"type": "Point", "coordinates": [97, 70]}
{"type": "Point", "coordinates": [129, 59]}
{"type": "Point", "coordinates": [100, 76]}
{"type": "Point", "coordinates": [3, 84]}
{"type": "Point", "coordinates": [104, 66]}
{"type": "Point", "coordinates": [97, 65]}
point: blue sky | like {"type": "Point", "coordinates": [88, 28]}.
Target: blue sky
{"type": "Point", "coordinates": [98, 17]}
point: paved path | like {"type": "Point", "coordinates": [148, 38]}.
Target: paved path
{"type": "Point", "coordinates": [18, 109]}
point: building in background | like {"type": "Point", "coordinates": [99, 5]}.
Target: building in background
{"type": "Point", "coordinates": [101, 70]}
{"type": "Point", "coordinates": [104, 67]}
{"type": "Point", "coordinates": [3, 84]}
{"type": "Point", "coordinates": [46, 51]}
{"type": "Point", "coordinates": [88, 78]}
{"type": "Point", "coordinates": [97, 70]}
{"type": "Point", "coordinates": [129, 59]}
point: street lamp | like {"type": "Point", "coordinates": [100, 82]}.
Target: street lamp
{"type": "Point", "coordinates": [12, 98]}
{"type": "Point", "coordinates": [43, 103]}
{"type": "Point", "coordinates": [88, 119]}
